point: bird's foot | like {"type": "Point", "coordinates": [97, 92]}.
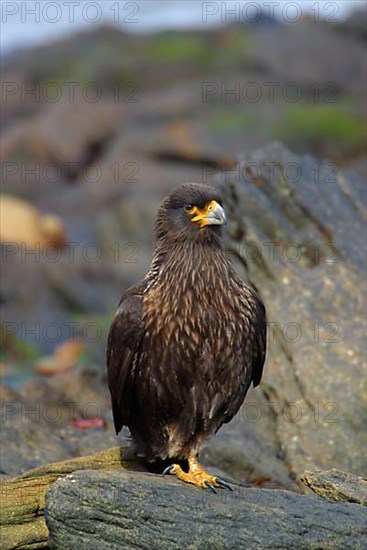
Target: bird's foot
{"type": "Point", "coordinates": [197, 476]}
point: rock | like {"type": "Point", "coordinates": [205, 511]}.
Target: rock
{"type": "Point", "coordinates": [54, 419]}
{"type": "Point", "coordinates": [120, 509]}
{"type": "Point", "coordinates": [52, 405]}
{"type": "Point", "coordinates": [299, 240]}
{"type": "Point", "coordinates": [75, 139]}
{"type": "Point", "coordinates": [86, 442]}
{"type": "Point", "coordinates": [65, 357]}
{"type": "Point", "coordinates": [77, 394]}
{"type": "Point", "coordinates": [8, 398]}
{"type": "Point", "coordinates": [22, 523]}
{"type": "Point", "coordinates": [85, 386]}
{"type": "Point", "coordinates": [139, 504]}
{"type": "Point", "coordinates": [337, 486]}
{"type": "Point", "coordinates": [355, 25]}
{"type": "Point", "coordinates": [342, 68]}
{"type": "Point", "coordinates": [26, 444]}
{"type": "Point", "coordinates": [34, 313]}
{"type": "Point", "coordinates": [22, 224]}
{"type": "Point", "coordinates": [248, 449]}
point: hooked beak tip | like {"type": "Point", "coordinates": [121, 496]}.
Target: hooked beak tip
{"type": "Point", "coordinates": [217, 216]}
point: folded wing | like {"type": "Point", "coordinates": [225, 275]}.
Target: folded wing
{"type": "Point", "coordinates": [123, 346]}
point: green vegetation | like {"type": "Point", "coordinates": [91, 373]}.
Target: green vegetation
{"type": "Point", "coordinates": [15, 348]}
{"type": "Point", "coordinates": [202, 48]}
{"type": "Point", "coordinates": [312, 124]}
{"type": "Point", "coordinates": [109, 56]}
{"type": "Point", "coordinates": [169, 47]}
{"type": "Point", "coordinates": [232, 122]}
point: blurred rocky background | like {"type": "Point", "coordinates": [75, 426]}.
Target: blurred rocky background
{"type": "Point", "coordinates": [96, 128]}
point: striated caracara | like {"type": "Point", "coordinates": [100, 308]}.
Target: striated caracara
{"type": "Point", "coordinates": [187, 341]}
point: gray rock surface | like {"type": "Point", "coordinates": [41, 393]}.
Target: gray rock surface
{"type": "Point", "coordinates": [118, 510]}
{"type": "Point", "coordinates": [337, 486]}
{"type": "Point", "coordinates": [22, 522]}
{"type": "Point", "coordinates": [25, 445]}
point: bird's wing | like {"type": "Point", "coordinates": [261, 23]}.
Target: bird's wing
{"type": "Point", "coordinates": [258, 336]}
{"type": "Point", "coordinates": [252, 353]}
{"type": "Point", "coordinates": [124, 340]}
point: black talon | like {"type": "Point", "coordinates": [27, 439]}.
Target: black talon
{"type": "Point", "coordinates": [167, 470]}
{"type": "Point", "coordinates": [210, 487]}
{"type": "Point", "coordinates": [223, 484]}
{"type": "Point", "coordinates": [233, 482]}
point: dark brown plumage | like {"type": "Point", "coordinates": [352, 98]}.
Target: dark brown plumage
{"type": "Point", "coordinates": [185, 343]}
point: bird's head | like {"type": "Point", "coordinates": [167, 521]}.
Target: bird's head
{"type": "Point", "coordinates": [191, 210]}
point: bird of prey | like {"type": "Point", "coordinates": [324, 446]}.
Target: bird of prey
{"type": "Point", "coordinates": [187, 341]}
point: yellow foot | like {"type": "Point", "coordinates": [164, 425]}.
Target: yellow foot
{"type": "Point", "coordinates": [197, 476]}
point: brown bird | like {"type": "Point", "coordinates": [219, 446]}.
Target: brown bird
{"type": "Point", "coordinates": [187, 341]}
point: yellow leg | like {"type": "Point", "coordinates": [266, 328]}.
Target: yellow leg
{"type": "Point", "coordinates": [197, 476]}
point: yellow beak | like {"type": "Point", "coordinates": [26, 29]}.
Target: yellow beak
{"type": "Point", "coordinates": [211, 214]}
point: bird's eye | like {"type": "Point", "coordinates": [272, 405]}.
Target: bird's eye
{"type": "Point", "coordinates": [188, 207]}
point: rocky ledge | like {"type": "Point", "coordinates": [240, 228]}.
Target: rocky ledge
{"type": "Point", "coordinates": [108, 500]}
{"type": "Point", "coordinates": [118, 510]}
